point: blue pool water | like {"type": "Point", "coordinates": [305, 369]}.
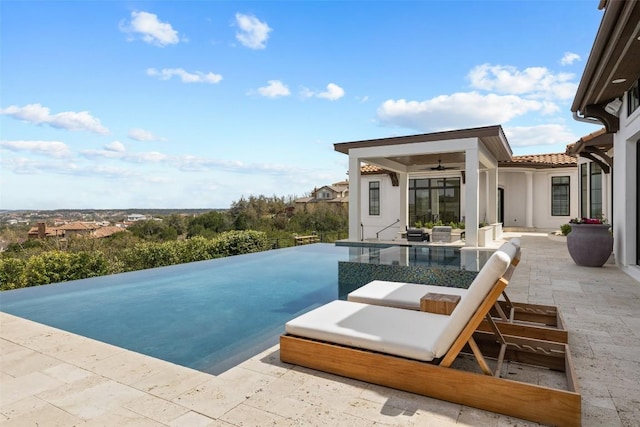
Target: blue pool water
{"type": "Point", "coordinates": [207, 315]}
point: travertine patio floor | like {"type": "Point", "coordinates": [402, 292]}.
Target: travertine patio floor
{"type": "Point", "coordinates": [54, 378]}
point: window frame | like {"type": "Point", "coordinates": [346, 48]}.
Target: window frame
{"type": "Point", "coordinates": [596, 205]}
{"type": "Point", "coordinates": [565, 207]}
{"type": "Point", "coordinates": [374, 198]}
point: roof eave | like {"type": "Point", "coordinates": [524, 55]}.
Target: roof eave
{"type": "Point", "coordinates": [614, 55]}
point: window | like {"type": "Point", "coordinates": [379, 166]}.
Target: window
{"type": "Point", "coordinates": [595, 183]}
{"type": "Point", "coordinates": [434, 199]}
{"type": "Point", "coordinates": [374, 198]}
{"type": "Point", "coordinates": [633, 98]}
{"type": "Point", "coordinates": [560, 202]}
{"type": "Point", "coordinates": [584, 191]}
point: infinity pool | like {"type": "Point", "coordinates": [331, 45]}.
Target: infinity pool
{"type": "Point", "coordinates": [207, 315]}
{"type": "Point", "coordinates": [212, 315]}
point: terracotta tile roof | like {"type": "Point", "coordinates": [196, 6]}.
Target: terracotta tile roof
{"type": "Point", "coordinates": [542, 160]}
{"type": "Point", "coordinates": [108, 231]}
{"type": "Point", "coordinates": [79, 226]}
{"type": "Point", "coordinates": [49, 232]}
{"type": "Point", "coordinates": [370, 170]}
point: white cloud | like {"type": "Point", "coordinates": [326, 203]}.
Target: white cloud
{"type": "Point", "coordinates": [143, 135]}
{"type": "Point", "coordinates": [253, 32]}
{"type": "Point", "coordinates": [459, 110]}
{"type": "Point", "coordinates": [332, 93]}
{"type": "Point", "coordinates": [534, 82]}
{"type": "Point", "coordinates": [116, 146]}
{"type": "Point", "coordinates": [48, 148]}
{"type": "Point", "coordinates": [151, 29]}
{"type": "Point", "coordinates": [69, 120]}
{"type": "Point", "coordinates": [548, 134]}
{"type": "Point", "coordinates": [569, 58]}
{"type": "Point", "coordinates": [113, 152]}
{"type": "Point", "coordinates": [185, 77]}
{"type": "Point", "coordinates": [274, 89]}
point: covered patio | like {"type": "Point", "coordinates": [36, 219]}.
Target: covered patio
{"type": "Point", "coordinates": [467, 154]}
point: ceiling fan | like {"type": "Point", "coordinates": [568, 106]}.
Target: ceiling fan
{"type": "Point", "coordinates": [440, 167]}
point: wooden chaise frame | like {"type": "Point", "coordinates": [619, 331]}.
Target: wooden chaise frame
{"type": "Point", "coordinates": [536, 321]}
{"type": "Point", "coordinates": [439, 380]}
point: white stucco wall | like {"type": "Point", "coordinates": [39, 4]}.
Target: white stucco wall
{"type": "Point", "coordinates": [513, 183]}
{"type": "Point", "coordinates": [389, 209]}
{"type": "Point", "coordinates": [625, 191]}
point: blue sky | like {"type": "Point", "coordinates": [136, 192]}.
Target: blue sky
{"type": "Point", "coordinates": [194, 104]}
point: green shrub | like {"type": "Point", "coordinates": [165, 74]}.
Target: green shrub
{"type": "Point", "coordinates": [12, 273]}
{"type": "Point", "coordinates": [58, 266]}
{"type": "Point", "coordinates": [565, 229]}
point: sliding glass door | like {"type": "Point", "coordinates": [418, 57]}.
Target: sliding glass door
{"type": "Point", "coordinates": [434, 199]}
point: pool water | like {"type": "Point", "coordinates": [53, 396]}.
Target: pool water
{"type": "Point", "coordinates": [207, 315]}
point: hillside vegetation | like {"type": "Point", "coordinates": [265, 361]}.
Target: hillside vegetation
{"type": "Point", "coordinates": [250, 225]}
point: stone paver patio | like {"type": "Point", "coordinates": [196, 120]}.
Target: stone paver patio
{"type": "Point", "coordinates": [50, 377]}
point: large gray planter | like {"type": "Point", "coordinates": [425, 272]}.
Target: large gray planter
{"type": "Point", "coordinates": [590, 245]}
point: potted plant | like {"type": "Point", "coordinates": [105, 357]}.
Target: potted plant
{"type": "Point", "coordinates": [590, 242]}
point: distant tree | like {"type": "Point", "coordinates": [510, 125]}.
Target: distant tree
{"type": "Point", "coordinates": [177, 222]}
{"type": "Point", "coordinates": [152, 230]}
{"type": "Point", "coordinates": [208, 224]}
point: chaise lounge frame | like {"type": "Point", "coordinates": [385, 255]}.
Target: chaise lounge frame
{"type": "Point", "coordinates": [441, 381]}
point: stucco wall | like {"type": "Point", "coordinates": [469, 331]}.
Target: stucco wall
{"type": "Point", "coordinates": [625, 191]}
{"type": "Point", "coordinates": [389, 209]}
{"type": "Point", "coordinates": [513, 183]}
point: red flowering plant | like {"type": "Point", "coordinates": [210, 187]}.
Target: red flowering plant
{"type": "Point", "coordinates": [588, 221]}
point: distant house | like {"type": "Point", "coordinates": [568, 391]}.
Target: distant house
{"type": "Point", "coordinates": [42, 231]}
{"type": "Point", "coordinates": [136, 217]}
{"type": "Point", "coordinates": [74, 229]}
{"type": "Point", "coordinates": [336, 194]}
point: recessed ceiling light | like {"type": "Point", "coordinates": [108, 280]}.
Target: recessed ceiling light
{"type": "Point", "coordinates": [619, 81]}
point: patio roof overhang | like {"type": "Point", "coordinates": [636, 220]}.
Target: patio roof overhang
{"type": "Point", "coordinates": [594, 147]}
{"type": "Point", "coordinates": [613, 65]}
{"type": "Point", "coordinates": [444, 148]}
{"type": "Point", "coordinates": [469, 150]}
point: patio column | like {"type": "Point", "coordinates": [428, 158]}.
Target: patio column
{"type": "Point", "coordinates": [354, 199]}
{"type": "Point", "coordinates": [403, 179]}
{"type": "Point", "coordinates": [471, 191]}
{"type": "Point", "coordinates": [529, 200]}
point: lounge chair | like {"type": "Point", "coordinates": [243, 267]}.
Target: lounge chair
{"type": "Point", "coordinates": [513, 318]}
{"type": "Point", "coordinates": [414, 351]}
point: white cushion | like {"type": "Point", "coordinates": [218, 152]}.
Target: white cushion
{"type": "Point", "coordinates": [509, 249]}
{"type": "Point", "coordinates": [405, 333]}
{"type": "Point", "coordinates": [407, 295]}
{"type": "Point", "coordinates": [488, 275]}
{"type": "Point", "coordinates": [408, 333]}
{"type": "Point", "coordinates": [396, 294]}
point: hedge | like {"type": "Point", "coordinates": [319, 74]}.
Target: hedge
{"type": "Point", "coordinates": [59, 266]}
